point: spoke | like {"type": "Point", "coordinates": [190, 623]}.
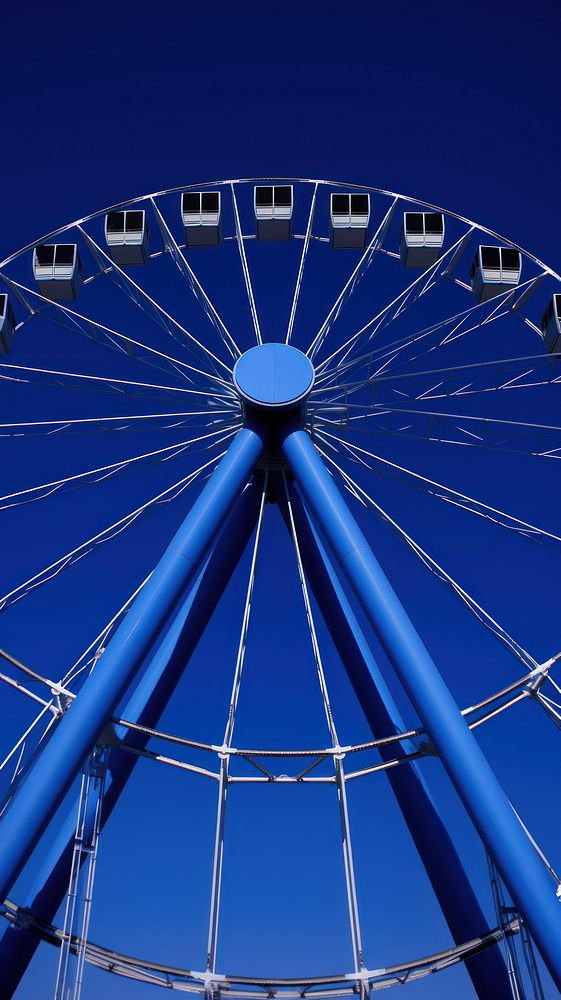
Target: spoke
{"type": "Point", "coordinates": [476, 609]}
{"type": "Point", "coordinates": [301, 268]}
{"type": "Point", "coordinates": [404, 475]}
{"type": "Point", "coordinates": [476, 378]}
{"type": "Point", "coordinates": [85, 548]}
{"type": "Point", "coordinates": [127, 422]}
{"type": "Point", "coordinates": [539, 440]}
{"type": "Point", "coordinates": [82, 874]}
{"type": "Point", "coordinates": [125, 345]}
{"type": "Point", "coordinates": [430, 338]}
{"type": "Point", "coordinates": [227, 743]}
{"type": "Point", "coordinates": [149, 305]}
{"type": "Point", "coordinates": [245, 268]}
{"type": "Point", "coordinates": [338, 758]}
{"type": "Point", "coordinates": [414, 291]}
{"type": "Point", "coordinates": [190, 277]}
{"type": "Point", "coordinates": [99, 383]}
{"type": "Point", "coordinates": [349, 287]}
{"type": "Point", "coordinates": [100, 474]}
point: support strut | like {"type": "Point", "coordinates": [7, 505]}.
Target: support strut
{"type": "Point", "coordinates": [451, 885]}
{"type": "Point", "coordinates": [144, 707]}
{"type": "Point", "coordinates": [45, 785]}
{"type": "Point", "coordinates": [492, 814]}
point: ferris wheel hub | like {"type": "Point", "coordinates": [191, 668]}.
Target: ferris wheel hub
{"type": "Point", "coordinates": [274, 376]}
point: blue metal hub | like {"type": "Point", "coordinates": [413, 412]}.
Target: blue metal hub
{"type": "Point", "coordinates": [274, 376]}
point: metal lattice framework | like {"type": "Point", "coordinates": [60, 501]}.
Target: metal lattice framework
{"type": "Point", "coordinates": [378, 403]}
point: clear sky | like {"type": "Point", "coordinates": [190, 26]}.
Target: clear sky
{"type": "Point", "coordinates": [455, 104]}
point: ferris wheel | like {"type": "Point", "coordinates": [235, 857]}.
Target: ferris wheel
{"type": "Point", "coordinates": [201, 388]}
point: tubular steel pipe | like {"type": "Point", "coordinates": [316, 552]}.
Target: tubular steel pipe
{"type": "Point", "coordinates": [451, 885]}
{"type": "Point", "coordinates": [144, 707]}
{"type": "Point", "coordinates": [530, 885]}
{"type": "Point", "coordinates": [45, 785]}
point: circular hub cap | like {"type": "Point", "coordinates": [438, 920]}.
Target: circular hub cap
{"type": "Point", "coordinates": [273, 376]}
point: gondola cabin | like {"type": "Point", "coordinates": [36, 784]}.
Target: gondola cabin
{"type": "Point", "coordinates": [422, 238]}
{"type": "Point", "coordinates": [494, 270]}
{"type": "Point", "coordinates": [127, 236]}
{"type": "Point", "coordinates": [200, 212]}
{"type": "Point", "coordinates": [58, 270]}
{"type": "Point", "coordinates": [7, 324]}
{"type": "Point", "coordinates": [273, 212]}
{"type": "Point", "coordinates": [551, 325]}
{"type": "Point", "coordinates": [349, 218]}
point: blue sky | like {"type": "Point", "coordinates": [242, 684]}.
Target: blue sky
{"type": "Point", "coordinates": [458, 105]}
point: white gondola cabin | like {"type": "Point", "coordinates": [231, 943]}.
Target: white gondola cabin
{"type": "Point", "coordinates": [551, 325]}
{"type": "Point", "coordinates": [495, 270]}
{"type": "Point", "coordinates": [273, 212]}
{"type": "Point", "coordinates": [350, 215]}
{"type": "Point", "coordinates": [200, 211]}
{"type": "Point", "coordinates": [127, 236]}
{"type": "Point", "coordinates": [58, 270]}
{"type": "Point", "coordinates": [7, 324]}
{"type": "Point", "coordinates": [422, 238]}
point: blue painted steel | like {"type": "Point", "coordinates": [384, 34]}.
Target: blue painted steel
{"type": "Point", "coordinates": [145, 706]}
{"type": "Point", "coordinates": [37, 798]}
{"type": "Point", "coordinates": [273, 376]}
{"type": "Point", "coordinates": [530, 885]}
{"type": "Point", "coordinates": [451, 885]}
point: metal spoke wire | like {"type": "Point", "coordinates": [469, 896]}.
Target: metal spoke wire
{"type": "Point", "coordinates": [75, 322]}
{"type": "Point", "coordinates": [471, 379]}
{"type": "Point", "coordinates": [245, 268]}
{"type": "Point", "coordinates": [346, 292]}
{"type": "Point", "coordinates": [125, 422]}
{"type": "Point", "coordinates": [465, 430]}
{"type": "Point", "coordinates": [98, 383]}
{"type": "Point", "coordinates": [338, 761]}
{"type": "Point", "coordinates": [430, 337]}
{"type": "Point", "coordinates": [151, 308]}
{"type": "Point", "coordinates": [106, 535]}
{"type": "Point", "coordinates": [101, 473]}
{"type": "Point", "coordinates": [495, 515]}
{"type": "Point", "coordinates": [476, 609]}
{"type": "Point", "coordinates": [227, 742]}
{"type": "Point", "coordinates": [194, 284]}
{"type": "Point", "coordinates": [392, 310]}
{"type": "Point", "coordinates": [300, 275]}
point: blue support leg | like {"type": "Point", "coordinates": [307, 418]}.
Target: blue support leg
{"type": "Point", "coordinates": [144, 707]}
{"type": "Point", "coordinates": [451, 885]}
{"type": "Point", "coordinates": [45, 785]}
{"type": "Point", "coordinates": [523, 872]}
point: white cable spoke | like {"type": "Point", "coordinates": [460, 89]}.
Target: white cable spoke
{"type": "Point", "coordinates": [107, 534]}
{"type": "Point", "coordinates": [350, 285]}
{"type": "Point", "coordinates": [98, 383]}
{"type": "Point", "coordinates": [460, 380]}
{"type": "Point", "coordinates": [100, 474]}
{"type": "Point", "coordinates": [227, 743]}
{"type": "Point", "coordinates": [338, 757]}
{"type": "Point", "coordinates": [190, 277]}
{"type": "Point", "coordinates": [476, 609]}
{"type": "Point", "coordinates": [414, 291]}
{"type": "Point", "coordinates": [402, 474]}
{"type": "Point", "coordinates": [431, 337]}
{"type": "Point", "coordinates": [125, 345]}
{"type": "Point", "coordinates": [126, 422]}
{"type": "Point", "coordinates": [245, 268]}
{"type": "Point", "coordinates": [153, 309]}
{"type": "Point", "coordinates": [539, 440]}
{"type": "Point", "coordinates": [301, 268]}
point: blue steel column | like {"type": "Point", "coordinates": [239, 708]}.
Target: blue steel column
{"type": "Point", "coordinates": [38, 797]}
{"type": "Point", "coordinates": [451, 885]}
{"type": "Point", "coordinates": [523, 872]}
{"type": "Point", "coordinates": [144, 707]}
